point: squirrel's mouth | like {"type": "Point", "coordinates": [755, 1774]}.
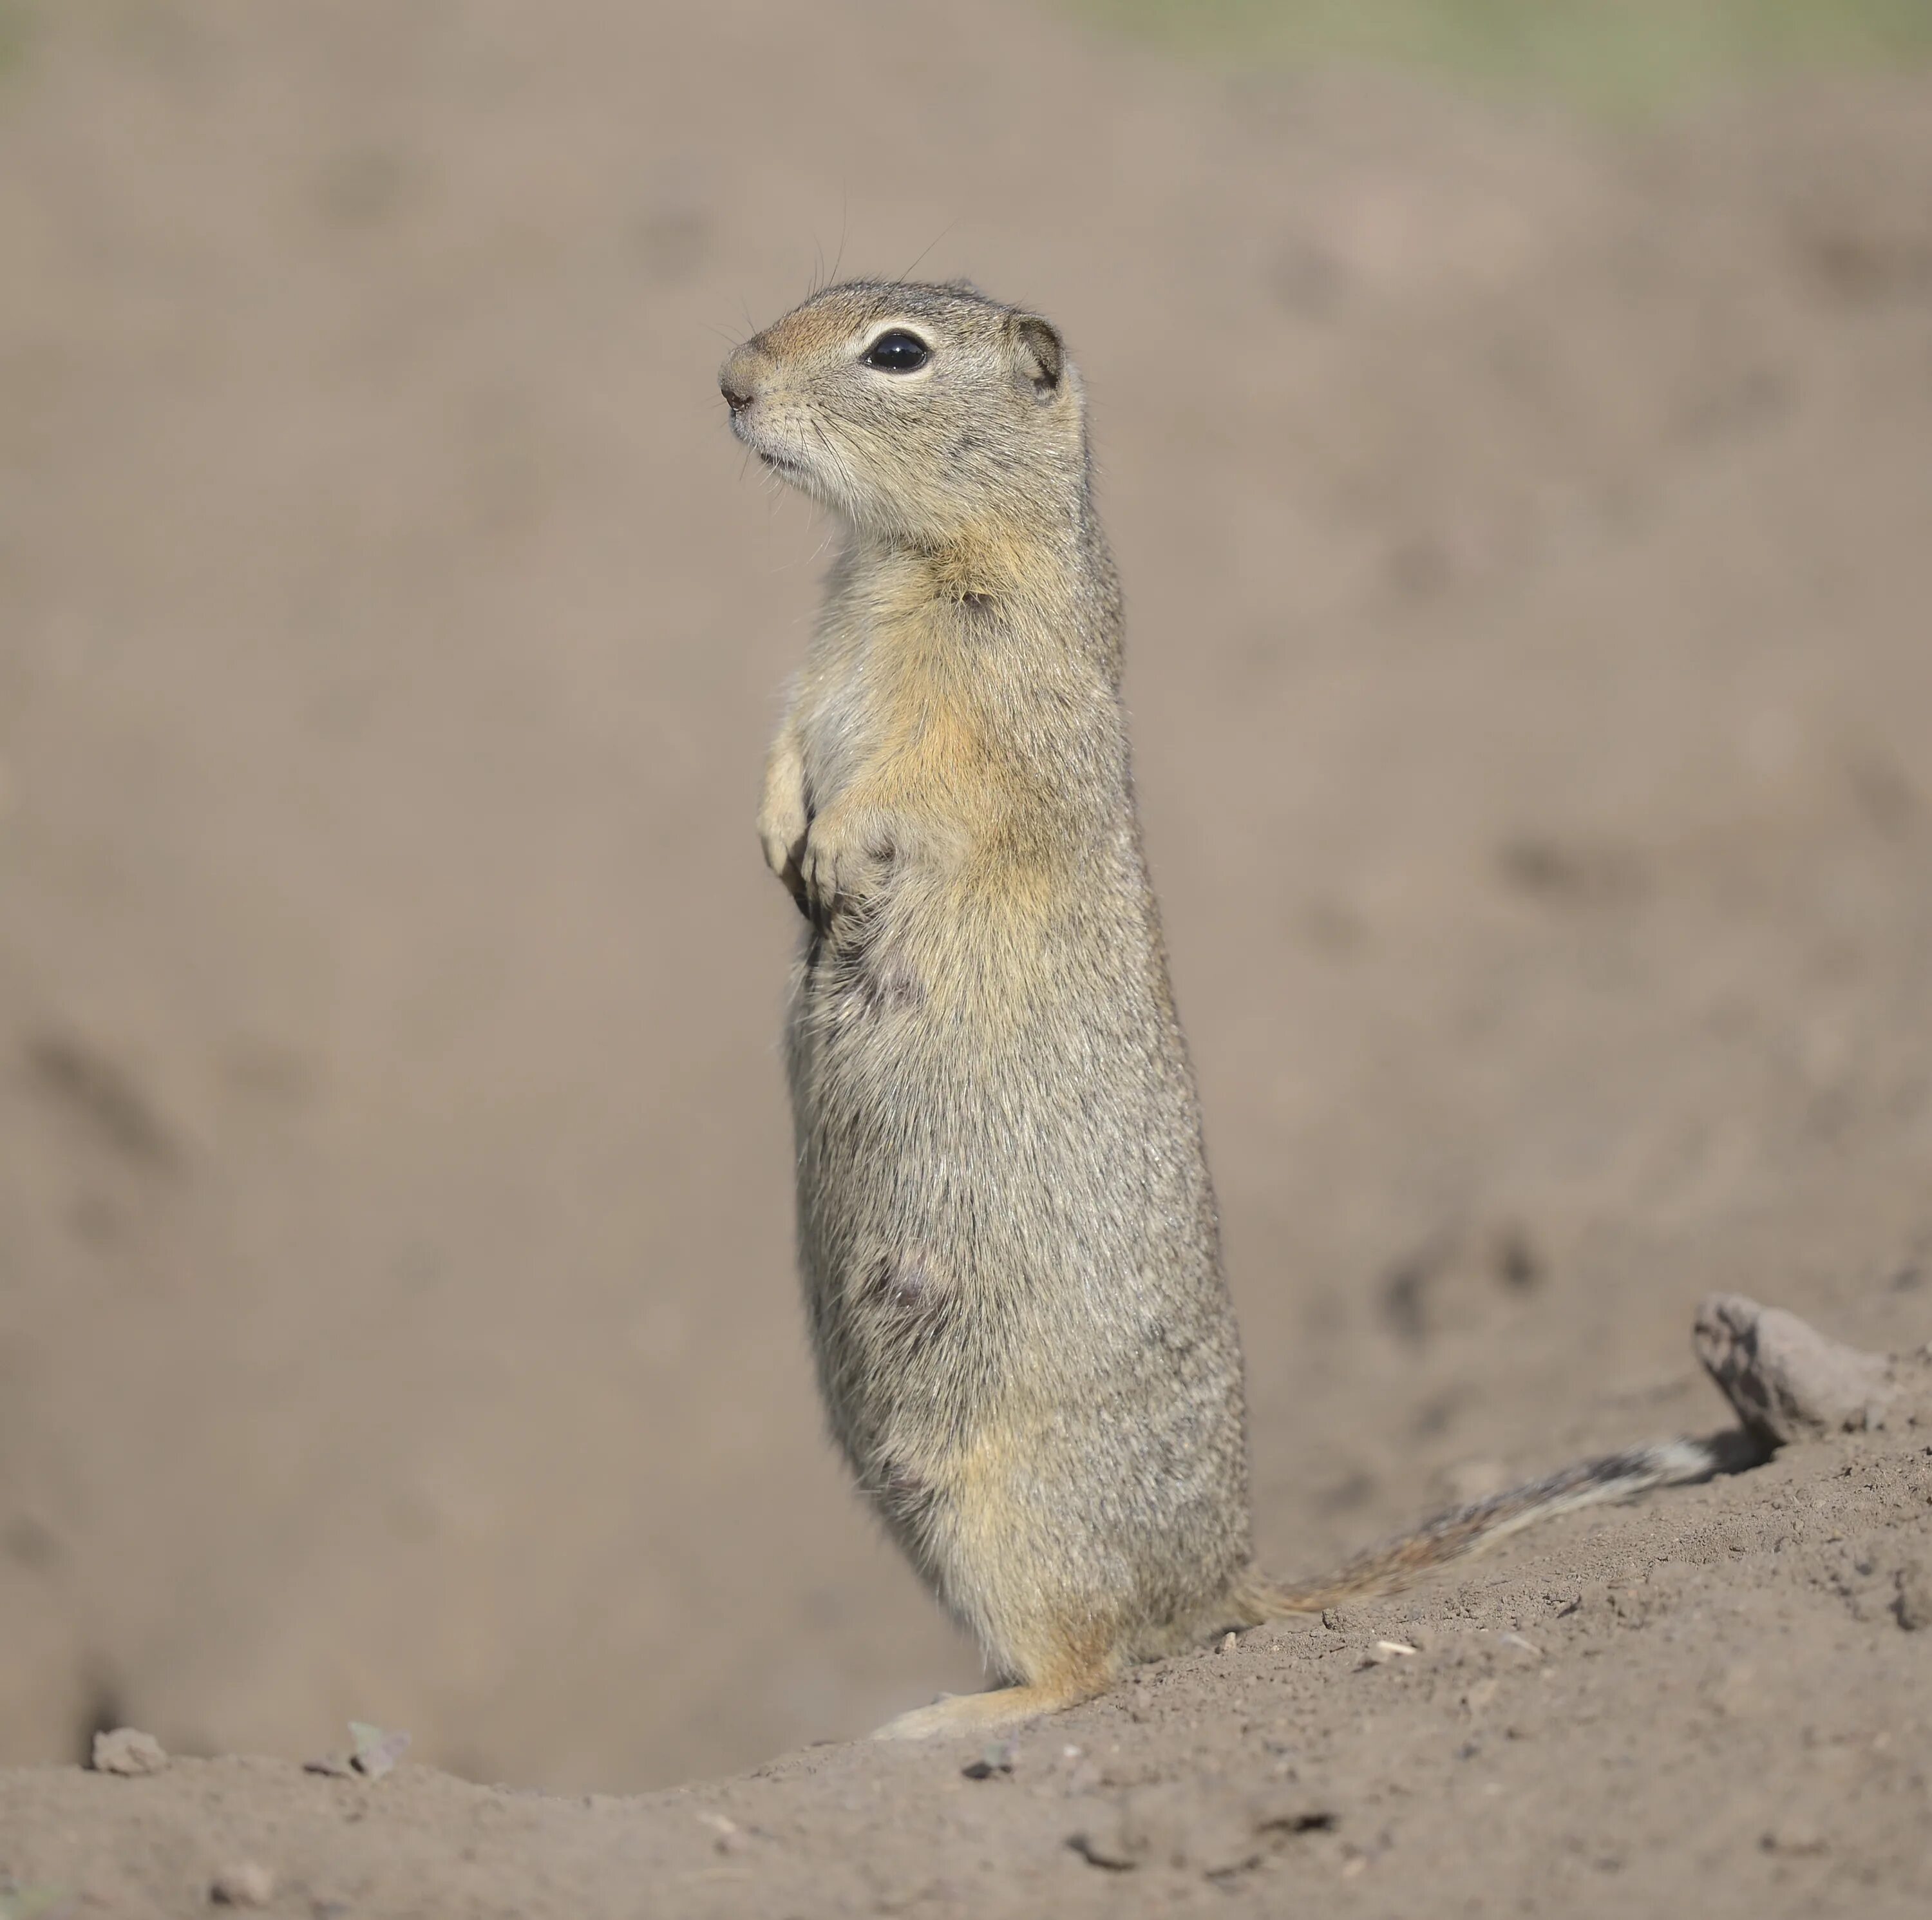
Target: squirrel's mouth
{"type": "Point", "coordinates": [787, 465]}
{"type": "Point", "coordinates": [807, 478]}
{"type": "Point", "coordinates": [816, 477]}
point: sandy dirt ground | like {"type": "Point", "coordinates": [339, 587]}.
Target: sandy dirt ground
{"type": "Point", "coordinates": [1527, 529]}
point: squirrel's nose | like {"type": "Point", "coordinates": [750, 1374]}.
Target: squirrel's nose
{"type": "Point", "coordinates": [736, 380]}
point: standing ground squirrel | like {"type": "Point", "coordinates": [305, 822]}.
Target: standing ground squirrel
{"type": "Point", "coordinates": [1010, 1254]}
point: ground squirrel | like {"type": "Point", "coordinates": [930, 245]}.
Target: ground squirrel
{"type": "Point", "coordinates": [1008, 1238]}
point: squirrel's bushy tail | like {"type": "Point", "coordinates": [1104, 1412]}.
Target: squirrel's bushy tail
{"type": "Point", "coordinates": [1393, 1565]}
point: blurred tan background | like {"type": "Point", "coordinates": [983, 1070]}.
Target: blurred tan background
{"type": "Point", "coordinates": [1516, 429]}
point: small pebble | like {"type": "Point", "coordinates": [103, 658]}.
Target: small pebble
{"type": "Point", "coordinates": [126, 1751]}
{"type": "Point", "coordinates": [732, 1838]}
{"type": "Point", "coordinates": [377, 1749]}
{"type": "Point", "coordinates": [375, 1753]}
{"type": "Point", "coordinates": [1383, 1651]}
{"type": "Point", "coordinates": [997, 1759]}
{"type": "Point", "coordinates": [248, 1883]}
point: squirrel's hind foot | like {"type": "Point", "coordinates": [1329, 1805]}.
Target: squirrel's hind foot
{"type": "Point", "coordinates": [985, 1713]}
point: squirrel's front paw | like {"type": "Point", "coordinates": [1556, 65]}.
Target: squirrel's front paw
{"type": "Point", "coordinates": [782, 829]}
{"type": "Point", "coordinates": [846, 856]}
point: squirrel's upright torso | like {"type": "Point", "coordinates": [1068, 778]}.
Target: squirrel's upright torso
{"type": "Point", "coordinates": [1008, 1236]}
{"type": "Point", "coordinates": [1007, 1233]}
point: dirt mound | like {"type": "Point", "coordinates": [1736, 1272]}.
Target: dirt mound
{"type": "Point", "coordinates": [1721, 1702]}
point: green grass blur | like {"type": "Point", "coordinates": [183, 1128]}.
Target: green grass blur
{"type": "Point", "coordinates": [1618, 54]}
{"type": "Point", "coordinates": [15, 30]}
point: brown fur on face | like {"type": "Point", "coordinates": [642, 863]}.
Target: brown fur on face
{"type": "Point", "coordinates": [989, 432]}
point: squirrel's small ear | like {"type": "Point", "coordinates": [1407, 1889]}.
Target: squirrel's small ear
{"type": "Point", "coordinates": [1041, 352]}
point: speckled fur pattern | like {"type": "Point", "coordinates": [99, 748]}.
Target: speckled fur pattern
{"type": "Point", "coordinates": [1007, 1234]}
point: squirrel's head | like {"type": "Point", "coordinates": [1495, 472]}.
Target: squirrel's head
{"type": "Point", "coordinates": [919, 413]}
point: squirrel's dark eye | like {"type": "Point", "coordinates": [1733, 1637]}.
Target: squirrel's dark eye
{"type": "Point", "coordinates": [897, 352]}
